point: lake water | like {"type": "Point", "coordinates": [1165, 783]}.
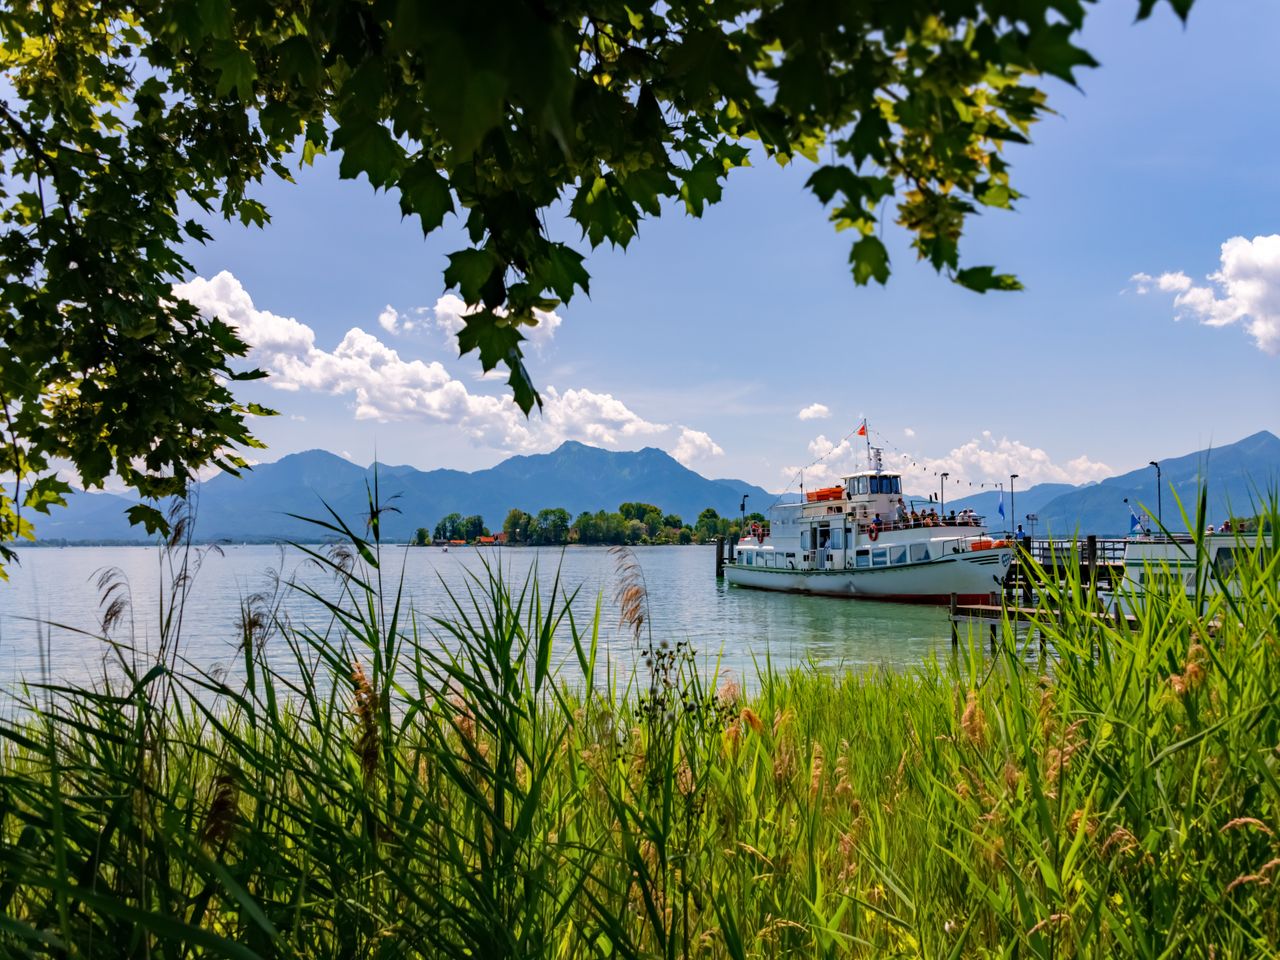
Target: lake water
{"type": "Point", "coordinates": [50, 609]}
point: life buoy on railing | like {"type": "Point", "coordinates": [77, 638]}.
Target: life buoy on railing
{"type": "Point", "coordinates": [873, 533]}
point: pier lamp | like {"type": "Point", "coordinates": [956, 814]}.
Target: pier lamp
{"type": "Point", "coordinates": [942, 487]}
{"type": "Point", "coordinates": [1012, 505]}
{"type": "Point", "coordinates": [1159, 497]}
{"type": "Point", "coordinates": [743, 529]}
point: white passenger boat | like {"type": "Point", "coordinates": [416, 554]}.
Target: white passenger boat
{"type": "Point", "coordinates": [1151, 560]}
{"type": "Point", "coordinates": [852, 541]}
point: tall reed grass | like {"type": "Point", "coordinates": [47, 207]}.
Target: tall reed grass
{"type": "Point", "coordinates": [435, 789]}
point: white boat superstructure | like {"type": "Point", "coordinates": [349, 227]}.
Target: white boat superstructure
{"type": "Point", "coordinates": [859, 539]}
{"type": "Point", "coordinates": [1160, 559]}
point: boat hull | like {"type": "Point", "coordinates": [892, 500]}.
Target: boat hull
{"type": "Point", "coordinates": [972, 577]}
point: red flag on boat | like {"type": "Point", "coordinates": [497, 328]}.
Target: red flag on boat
{"type": "Point", "coordinates": [862, 430]}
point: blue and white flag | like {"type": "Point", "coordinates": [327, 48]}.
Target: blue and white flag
{"type": "Point", "coordinates": [1000, 507]}
{"type": "Point", "coordinates": [1135, 523]}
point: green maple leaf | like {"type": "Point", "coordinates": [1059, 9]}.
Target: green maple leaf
{"type": "Point", "coordinates": [982, 279]}
{"type": "Point", "coordinates": [425, 192]}
{"type": "Point", "coordinates": [562, 271]}
{"type": "Point", "coordinates": [235, 67]}
{"type": "Point", "coordinates": [471, 272]}
{"type": "Point", "coordinates": [149, 517]}
{"type": "Point", "coordinates": [870, 261]}
{"type": "Point", "coordinates": [368, 147]}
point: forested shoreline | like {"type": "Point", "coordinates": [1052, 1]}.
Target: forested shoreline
{"type": "Point", "coordinates": [634, 523]}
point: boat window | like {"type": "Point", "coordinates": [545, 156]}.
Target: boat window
{"type": "Point", "coordinates": [897, 484]}
{"type": "Point", "coordinates": [898, 554]}
{"type": "Point", "coordinates": [1224, 561]}
{"type": "Point", "coordinates": [837, 539]}
{"type": "Point", "coordinates": [862, 558]}
{"type": "Point", "coordinates": [862, 484]}
{"type": "Point", "coordinates": [879, 557]}
{"type": "Point", "coordinates": [919, 552]}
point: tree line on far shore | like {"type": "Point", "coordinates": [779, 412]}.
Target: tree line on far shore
{"type": "Point", "coordinates": [632, 523]}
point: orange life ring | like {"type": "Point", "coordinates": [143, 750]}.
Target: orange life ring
{"type": "Point", "coordinates": [873, 533]}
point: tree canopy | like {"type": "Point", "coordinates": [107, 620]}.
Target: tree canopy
{"type": "Point", "coordinates": [119, 118]}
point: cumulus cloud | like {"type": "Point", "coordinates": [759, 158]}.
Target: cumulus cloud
{"type": "Point", "coordinates": [981, 459]}
{"type": "Point", "coordinates": [395, 322]}
{"type": "Point", "coordinates": [695, 445]}
{"type": "Point", "coordinates": [1245, 290]}
{"type": "Point", "coordinates": [908, 432]}
{"type": "Point", "coordinates": [385, 386]}
{"type": "Point", "coordinates": [814, 411]}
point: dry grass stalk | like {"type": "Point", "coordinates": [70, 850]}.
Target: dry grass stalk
{"type": "Point", "coordinates": [368, 746]}
{"type": "Point", "coordinates": [1054, 919]}
{"type": "Point", "coordinates": [974, 721]}
{"type": "Point", "coordinates": [631, 595]}
{"type": "Point", "coordinates": [223, 810]}
{"type": "Point", "coordinates": [1247, 822]}
{"type": "Point", "coordinates": [1247, 879]}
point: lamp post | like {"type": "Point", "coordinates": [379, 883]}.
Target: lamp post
{"type": "Point", "coordinates": [1012, 506]}
{"type": "Point", "coordinates": [742, 531]}
{"type": "Point", "coordinates": [1159, 497]}
{"type": "Point", "coordinates": [942, 489]}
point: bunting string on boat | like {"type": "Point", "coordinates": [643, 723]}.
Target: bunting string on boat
{"type": "Point", "coordinates": [800, 473]}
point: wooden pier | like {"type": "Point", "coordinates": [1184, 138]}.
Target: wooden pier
{"type": "Point", "coordinates": [1099, 562]}
{"type": "Point", "coordinates": [976, 616]}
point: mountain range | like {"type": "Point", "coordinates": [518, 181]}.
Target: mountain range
{"type": "Point", "coordinates": [257, 505]}
{"type": "Point", "coordinates": [1236, 477]}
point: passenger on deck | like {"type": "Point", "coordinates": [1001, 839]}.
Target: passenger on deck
{"type": "Point", "coordinates": [877, 523]}
{"type": "Point", "coordinates": [951, 520]}
{"type": "Point", "coordinates": [1226, 527]}
{"type": "Point", "coordinates": [902, 511]}
{"type": "Point", "coordinates": [933, 515]}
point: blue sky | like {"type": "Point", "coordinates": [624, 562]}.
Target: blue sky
{"type": "Point", "coordinates": [709, 337]}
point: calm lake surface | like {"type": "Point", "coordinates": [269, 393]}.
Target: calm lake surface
{"type": "Point", "coordinates": [50, 611]}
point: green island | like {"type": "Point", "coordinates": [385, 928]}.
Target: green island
{"type": "Point", "coordinates": [490, 784]}
{"type": "Point", "coordinates": [631, 524]}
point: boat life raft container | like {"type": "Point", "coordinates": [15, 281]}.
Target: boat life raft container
{"type": "Point", "coordinates": [825, 493]}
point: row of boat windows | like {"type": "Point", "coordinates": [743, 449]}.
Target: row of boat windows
{"type": "Point", "coordinates": [888, 556]}
{"type": "Point", "coordinates": [866, 557]}
{"type": "Point", "coordinates": [891, 485]}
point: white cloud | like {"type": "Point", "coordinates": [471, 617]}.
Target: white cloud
{"type": "Point", "coordinates": [814, 411]}
{"type": "Point", "coordinates": [595, 417]}
{"type": "Point", "coordinates": [385, 386]}
{"type": "Point", "coordinates": [392, 321]}
{"type": "Point", "coordinates": [981, 459]}
{"type": "Point", "coordinates": [1165, 283]}
{"type": "Point", "coordinates": [695, 445]}
{"type": "Point", "coordinates": [908, 432]}
{"type": "Point", "coordinates": [1245, 289]}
